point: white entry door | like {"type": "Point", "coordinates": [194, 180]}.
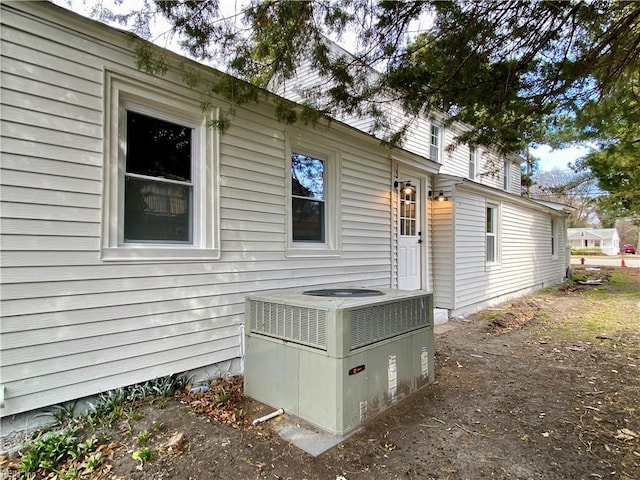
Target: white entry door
{"type": "Point", "coordinates": [409, 237]}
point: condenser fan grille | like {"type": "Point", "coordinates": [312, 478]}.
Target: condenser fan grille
{"type": "Point", "coordinates": [307, 326]}
{"type": "Point", "coordinates": [379, 322]}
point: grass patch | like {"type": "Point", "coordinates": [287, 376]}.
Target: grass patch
{"type": "Point", "coordinates": [610, 311]}
{"type": "Point", "coordinates": [489, 316]}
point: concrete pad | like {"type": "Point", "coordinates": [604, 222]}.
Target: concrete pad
{"type": "Point", "coordinates": [306, 437]}
{"type": "Point", "coordinates": [440, 316]}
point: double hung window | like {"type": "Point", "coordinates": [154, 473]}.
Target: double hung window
{"type": "Point", "coordinates": [473, 162]}
{"type": "Point", "coordinates": [435, 149]}
{"type": "Point", "coordinates": [160, 199]}
{"type": "Point", "coordinates": [308, 202]}
{"type": "Point", "coordinates": [506, 184]}
{"type": "Point", "coordinates": [158, 183]}
{"type": "Point", "coordinates": [313, 200]}
{"type": "Point", "coordinates": [492, 234]}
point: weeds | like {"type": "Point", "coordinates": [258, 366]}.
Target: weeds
{"type": "Point", "coordinates": [109, 408]}
{"type": "Point", "coordinates": [145, 454]}
{"type": "Point", "coordinates": [220, 397]}
{"type": "Point", "coordinates": [158, 426]}
{"type": "Point", "coordinates": [93, 462]}
{"type": "Point", "coordinates": [49, 449]}
{"type": "Point", "coordinates": [62, 414]}
{"type": "Point", "coordinates": [143, 437]}
{"type": "Point", "coordinates": [70, 474]}
{"type": "Point", "coordinates": [62, 452]}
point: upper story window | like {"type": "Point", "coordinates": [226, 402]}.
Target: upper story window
{"type": "Point", "coordinates": [435, 148]}
{"type": "Point", "coordinates": [506, 182]}
{"type": "Point", "coordinates": [313, 205]}
{"type": "Point", "coordinates": [160, 200]}
{"type": "Point", "coordinates": [473, 162]}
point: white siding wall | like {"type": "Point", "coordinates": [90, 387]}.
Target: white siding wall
{"type": "Point", "coordinates": [442, 233]}
{"type": "Point", "coordinates": [470, 275]}
{"type": "Point", "coordinates": [455, 161]}
{"type": "Point", "coordinates": [73, 325]}
{"type": "Point", "coordinates": [524, 245]}
{"type": "Point", "coordinates": [490, 167]}
{"type": "Point", "coordinates": [515, 185]}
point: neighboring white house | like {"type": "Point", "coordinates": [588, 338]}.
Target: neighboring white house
{"type": "Point", "coordinates": [605, 239]}
{"type": "Point", "coordinates": [116, 272]}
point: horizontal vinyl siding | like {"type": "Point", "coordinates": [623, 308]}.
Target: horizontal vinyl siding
{"type": "Point", "coordinates": [490, 170]}
{"type": "Point", "coordinates": [455, 161]}
{"type": "Point", "coordinates": [73, 325]}
{"type": "Point", "coordinates": [442, 237]}
{"type": "Point", "coordinates": [524, 244]}
{"type": "Point", "coordinates": [515, 186]}
{"type": "Point", "coordinates": [470, 275]}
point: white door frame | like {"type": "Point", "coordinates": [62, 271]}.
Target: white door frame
{"type": "Point", "coordinates": [411, 234]}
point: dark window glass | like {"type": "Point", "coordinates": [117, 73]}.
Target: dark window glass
{"type": "Point", "coordinates": [308, 220]}
{"type": "Point", "coordinates": [158, 189]}
{"type": "Point", "coordinates": [157, 148]}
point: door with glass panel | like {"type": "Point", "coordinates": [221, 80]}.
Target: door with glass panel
{"type": "Point", "coordinates": [409, 234]}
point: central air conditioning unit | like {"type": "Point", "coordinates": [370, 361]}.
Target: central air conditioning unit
{"type": "Point", "coordinates": [337, 357]}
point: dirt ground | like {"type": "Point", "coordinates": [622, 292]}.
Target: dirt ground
{"type": "Point", "coordinates": [531, 389]}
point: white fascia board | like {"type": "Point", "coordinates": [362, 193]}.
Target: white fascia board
{"type": "Point", "coordinates": [458, 182]}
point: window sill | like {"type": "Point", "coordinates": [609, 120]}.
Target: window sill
{"type": "Point", "coordinates": [159, 254]}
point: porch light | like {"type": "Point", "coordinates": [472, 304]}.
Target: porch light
{"type": "Point", "coordinates": [407, 188]}
{"type": "Point", "coordinates": [439, 198]}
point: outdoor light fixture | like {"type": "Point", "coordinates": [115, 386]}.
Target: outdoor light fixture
{"type": "Point", "coordinates": [407, 188]}
{"type": "Point", "coordinates": [439, 198]}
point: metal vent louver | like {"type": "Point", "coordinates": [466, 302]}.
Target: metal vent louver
{"type": "Point", "coordinates": [307, 326]}
{"type": "Point", "coordinates": [379, 322]}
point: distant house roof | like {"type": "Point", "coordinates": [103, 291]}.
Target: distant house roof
{"type": "Point", "coordinates": [591, 233]}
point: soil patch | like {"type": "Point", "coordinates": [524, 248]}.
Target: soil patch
{"type": "Point", "coordinates": [514, 398]}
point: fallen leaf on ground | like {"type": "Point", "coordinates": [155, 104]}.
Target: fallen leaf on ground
{"type": "Point", "coordinates": [175, 443]}
{"type": "Point", "coordinates": [626, 435]}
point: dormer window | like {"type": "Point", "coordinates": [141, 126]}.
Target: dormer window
{"type": "Point", "coordinates": [507, 175]}
{"type": "Point", "coordinates": [473, 162]}
{"type": "Point", "coordinates": [435, 148]}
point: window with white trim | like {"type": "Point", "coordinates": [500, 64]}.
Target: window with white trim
{"type": "Point", "coordinates": [473, 162]}
{"type": "Point", "coordinates": [506, 184]}
{"type": "Point", "coordinates": [158, 181]}
{"type": "Point", "coordinates": [554, 247]}
{"type": "Point", "coordinates": [308, 202]}
{"type": "Point", "coordinates": [313, 227]}
{"type": "Point", "coordinates": [435, 148]}
{"type": "Point", "coordinates": [492, 234]}
{"type": "Point", "coordinates": [160, 194]}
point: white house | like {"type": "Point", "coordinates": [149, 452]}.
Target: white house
{"type": "Point", "coordinates": [132, 232]}
{"type": "Point", "coordinates": [605, 239]}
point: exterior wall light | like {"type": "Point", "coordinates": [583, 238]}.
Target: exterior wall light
{"type": "Point", "coordinates": [439, 198]}
{"type": "Point", "coordinates": [406, 187]}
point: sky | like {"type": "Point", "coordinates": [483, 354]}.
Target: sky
{"type": "Point", "coordinates": [552, 159]}
{"type": "Point", "coordinates": [549, 159]}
